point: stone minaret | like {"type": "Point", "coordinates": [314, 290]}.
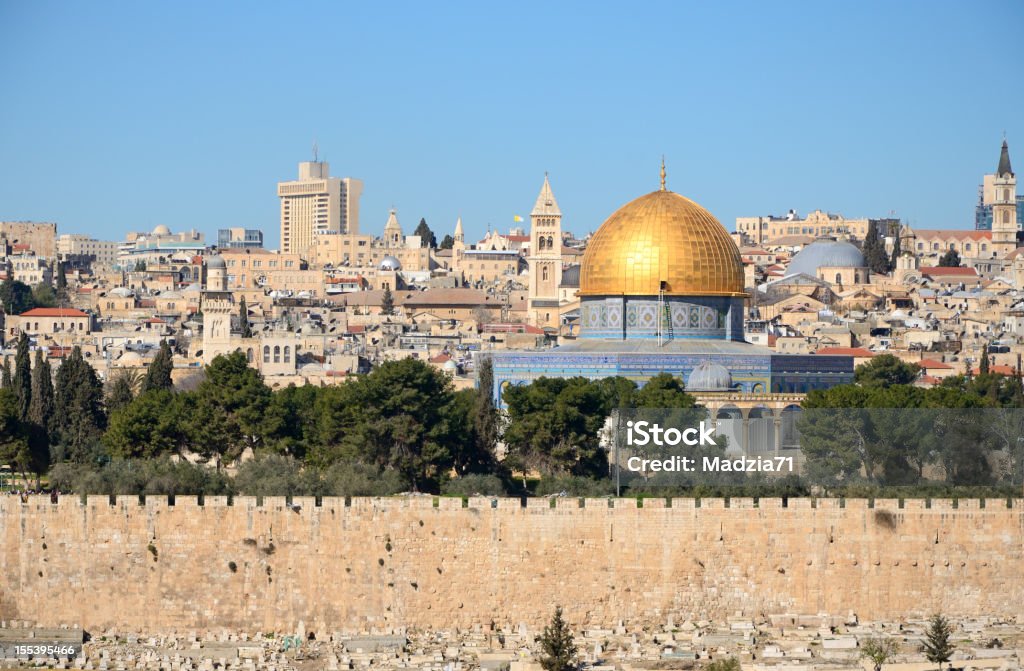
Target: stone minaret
{"type": "Point", "coordinates": [545, 258]}
{"type": "Point", "coordinates": [1004, 206]}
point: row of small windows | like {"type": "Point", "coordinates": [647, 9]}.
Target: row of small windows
{"type": "Point", "coordinates": [276, 353]}
{"type": "Point", "coordinates": [952, 245]}
{"type": "Point", "coordinates": [546, 243]}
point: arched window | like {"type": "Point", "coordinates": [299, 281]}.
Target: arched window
{"type": "Point", "coordinates": [266, 354]}
{"type": "Point", "coordinates": [287, 354]}
{"type": "Point", "coordinates": [540, 243]}
{"type": "Point", "coordinates": [277, 354]}
{"type": "Point", "coordinates": [551, 244]}
{"type": "Point", "coordinates": [1006, 216]}
{"type": "Point", "coordinates": [1006, 195]}
{"type": "Point", "coordinates": [248, 355]}
{"type": "Point", "coordinates": [839, 278]}
{"type": "Point", "coordinates": [544, 274]}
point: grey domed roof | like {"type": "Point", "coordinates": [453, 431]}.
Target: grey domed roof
{"type": "Point", "coordinates": [825, 253]}
{"type": "Point", "coordinates": [708, 376]}
{"type": "Point", "coordinates": [215, 261]}
{"type": "Point", "coordinates": [390, 263]}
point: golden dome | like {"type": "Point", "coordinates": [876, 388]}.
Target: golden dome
{"type": "Point", "coordinates": [661, 237]}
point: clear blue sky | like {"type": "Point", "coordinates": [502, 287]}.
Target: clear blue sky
{"type": "Point", "coordinates": [123, 115]}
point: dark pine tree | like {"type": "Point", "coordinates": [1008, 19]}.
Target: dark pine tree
{"type": "Point", "coordinates": [78, 417]}
{"type": "Point", "coordinates": [447, 242]}
{"type": "Point", "coordinates": [23, 376]}
{"type": "Point", "coordinates": [950, 259]}
{"type": "Point", "coordinates": [937, 646]}
{"type": "Point", "coordinates": [874, 250]}
{"type": "Point", "coordinates": [243, 319]}
{"type": "Point", "coordinates": [985, 366]}
{"type": "Point", "coordinates": [387, 303]}
{"type": "Point", "coordinates": [896, 247]}
{"type": "Point", "coordinates": [6, 379]}
{"type": "Point", "coordinates": [41, 407]}
{"type": "Point", "coordinates": [159, 374]}
{"type": "Point", "coordinates": [427, 238]}
{"type": "Point", "coordinates": [559, 650]}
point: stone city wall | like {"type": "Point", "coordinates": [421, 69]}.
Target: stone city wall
{"type": "Point", "coordinates": [441, 563]}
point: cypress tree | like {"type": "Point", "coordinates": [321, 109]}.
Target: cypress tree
{"type": "Point", "coordinates": [62, 278]}
{"type": "Point", "coordinates": [387, 303]}
{"type": "Point", "coordinates": [159, 374]}
{"type": "Point", "coordinates": [896, 248]}
{"type": "Point", "coordinates": [77, 408]}
{"type": "Point", "coordinates": [23, 376]}
{"type": "Point", "coordinates": [243, 319]}
{"type": "Point", "coordinates": [984, 366]}
{"type": "Point", "coordinates": [41, 407]}
{"type": "Point", "coordinates": [6, 380]}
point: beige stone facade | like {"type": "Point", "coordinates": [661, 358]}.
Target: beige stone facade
{"type": "Point", "coordinates": [433, 563]}
{"type": "Point", "coordinates": [40, 237]}
{"type": "Point", "coordinates": [763, 230]}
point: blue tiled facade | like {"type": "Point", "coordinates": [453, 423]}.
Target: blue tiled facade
{"type": "Point", "coordinates": [644, 317]}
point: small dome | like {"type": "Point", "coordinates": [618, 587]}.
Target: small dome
{"type": "Point", "coordinates": [450, 365]}
{"type": "Point", "coordinates": [215, 261]}
{"type": "Point", "coordinates": [161, 230]}
{"type": "Point", "coordinates": [390, 263]}
{"type": "Point", "coordinates": [826, 253]}
{"type": "Point", "coordinates": [708, 376]}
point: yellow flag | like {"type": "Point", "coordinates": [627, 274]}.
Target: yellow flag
{"type": "Point", "coordinates": [517, 218]}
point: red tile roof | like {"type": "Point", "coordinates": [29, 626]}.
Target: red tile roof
{"type": "Point", "coordinates": [933, 364]}
{"type": "Point", "coordinates": [53, 312]}
{"type": "Point", "coordinates": [999, 370]}
{"type": "Point", "coordinates": [846, 351]}
{"type": "Point", "coordinates": [440, 358]}
{"type": "Point", "coordinates": [939, 271]}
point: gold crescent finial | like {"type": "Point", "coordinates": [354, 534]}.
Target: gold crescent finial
{"type": "Point", "coordinates": [663, 172]}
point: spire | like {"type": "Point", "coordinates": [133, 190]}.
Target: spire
{"type": "Point", "coordinates": [1004, 162]}
{"type": "Point", "coordinates": [546, 204]}
{"type": "Point", "coordinates": [663, 173]}
{"type": "Point", "coordinates": [458, 228]}
{"type": "Point", "coordinates": [392, 220]}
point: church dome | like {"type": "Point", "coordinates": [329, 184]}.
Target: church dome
{"type": "Point", "coordinates": [661, 238]}
{"type": "Point", "coordinates": [390, 263]}
{"type": "Point", "coordinates": [826, 253]}
{"type": "Point", "coordinates": [708, 376]}
{"type": "Point", "coordinates": [161, 230]}
{"type": "Point", "coordinates": [215, 261]}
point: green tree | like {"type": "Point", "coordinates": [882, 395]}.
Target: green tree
{"type": "Point", "coordinates": [6, 378]}
{"type": "Point", "coordinates": [158, 376]}
{"type": "Point", "coordinates": [874, 250]}
{"type": "Point", "coordinates": [664, 390]}
{"type": "Point", "coordinates": [885, 370]}
{"type": "Point", "coordinates": [77, 409]}
{"type": "Point", "coordinates": [985, 366]}
{"type": "Point", "coordinates": [726, 664]}
{"type": "Point", "coordinates": [427, 238]}
{"type": "Point", "coordinates": [897, 248]}
{"type": "Point", "coordinates": [41, 405]}
{"type": "Point", "coordinates": [23, 376]}
{"type": "Point", "coordinates": [484, 436]}
{"type": "Point", "coordinates": [228, 410]}
{"type": "Point", "coordinates": [243, 319]}
{"type": "Point", "coordinates": [121, 389]}
{"type": "Point", "coordinates": [879, 651]}
{"type": "Point", "coordinates": [554, 426]}
{"type": "Point", "coordinates": [151, 425]}
{"type": "Point", "coordinates": [447, 242]}
{"type": "Point", "coordinates": [937, 646]}
{"type": "Point", "coordinates": [387, 303]}
{"type": "Point", "coordinates": [557, 645]}
{"type": "Point", "coordinates": [62, 278]}
{"type": "Point", "coordinates": [950, 259]}
{"type": "Point", "coordinates": [16, 297]}
{"type": "Point", "coordinates": [14, 439]}
{"type": "Point", "coordinates": [44, 296]}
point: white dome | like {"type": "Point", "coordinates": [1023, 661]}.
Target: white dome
{"type": "Point", "coordinates": [708, 376]}
{"type": "Point", "coordinates": [215, 261]}
{"type": "Point", "coordinates": [390, 263]}
{"type": "Point", "coordinates": [450, 365]}
{"type": "Point", "coordinates": [161, 230]}
{"type": "Point", "coordinates": [826, 253]}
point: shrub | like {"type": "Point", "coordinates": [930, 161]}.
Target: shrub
{"type": "Point", "coordinates": [469, 485]}
{"type": "Point", "coordinates": [575, 486]}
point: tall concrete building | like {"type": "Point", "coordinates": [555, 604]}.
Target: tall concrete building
{"type": "Point", "coordinates": [76, 246]}
{"type": "Point", "coordinates": [317, 203]}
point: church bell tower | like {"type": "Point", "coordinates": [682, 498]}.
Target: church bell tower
{"type": "Point", "coordinates": [545, 258]}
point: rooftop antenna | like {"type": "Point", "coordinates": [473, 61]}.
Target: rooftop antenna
{"type": "Point", "coordinates": [316, 152]}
